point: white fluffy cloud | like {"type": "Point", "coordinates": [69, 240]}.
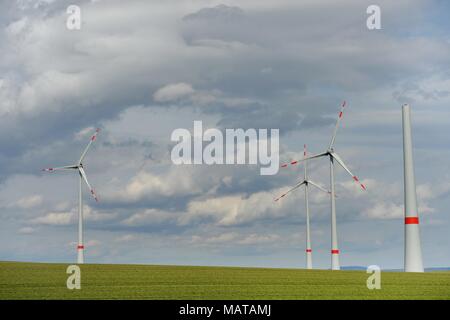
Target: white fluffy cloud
{"type": "Point", "coordinates": [29, 202]}
{"type": "Point", "coordinates": [56, 218]}
{"type": "Point", "coordinates": [71, 217]}
{"type": "Point", "coordinates": [146, 185]}
{"type": "Point", "coordinates": [239, 209]}
{"type": "Point", "coordinates": [387, 202]}
{"type": "Point", "coordinates": [383, 210]}
{"type": "Point", "coordinates": [149, 217]}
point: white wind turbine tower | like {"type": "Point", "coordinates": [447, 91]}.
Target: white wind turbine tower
{"type": "Point", "coordinates": [333, 156]}
{"type": "Point", "coordinates": [79, 168]}
{"type": "Point", "coordinates": [306, 182]}
{"type": "Point", "coordinates": [413, 250]}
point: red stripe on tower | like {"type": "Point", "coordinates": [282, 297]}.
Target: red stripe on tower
{"type": "Point", "coordinates": [334, 251]}
{"type": "Point", "coordinates": [411, 220]}
{"type": "Point", "coordinates": [80, 247]}
{"type": "Point", "coordinates": [308, 250]}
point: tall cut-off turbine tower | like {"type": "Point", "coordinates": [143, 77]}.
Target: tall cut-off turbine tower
{"type": "Point", "coordinates": [333, 156]}
{"type": "Point", "coordinates": [413, 251]}
{"type": "Point", "coordinates": [306, 182]}
{"type": "Point", "coordinates": [79, 168]}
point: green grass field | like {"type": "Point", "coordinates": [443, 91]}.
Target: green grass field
{"type": "Point", "coordinates": [48, 281]}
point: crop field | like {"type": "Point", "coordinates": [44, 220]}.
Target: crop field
{"type": "Point", "coordinates": [101, 281]}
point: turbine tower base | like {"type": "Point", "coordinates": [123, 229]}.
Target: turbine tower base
{"type": "Point", "coordinates": [335, 260]}
{"type": "Point", "coordinates": [80, 250]}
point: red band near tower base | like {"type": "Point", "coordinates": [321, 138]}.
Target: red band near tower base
{"type": "Point", "coordinates": [308, 250]}
{"type": "Point", "coordinates": [80, 247]}
{"type": "Point", "coordinates": [411, 220]}
{"type": "Point", "coordinates": [334, 251]}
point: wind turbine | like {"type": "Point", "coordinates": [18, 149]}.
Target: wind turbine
{"type": "Point", "coordinates": [306, 182]}
{"type": "Point", "coordinates": [333, 156]}
{"type": "Point", "coordinates": [79, 168]}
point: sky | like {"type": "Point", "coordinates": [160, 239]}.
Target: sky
{"type": "Point", "coordinates": [140, 69]}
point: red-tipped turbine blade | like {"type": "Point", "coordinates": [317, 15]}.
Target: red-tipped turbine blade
{"type": "Point", "coordinates": [59, 168]}
{"type": "Point", "coordinates": [94, 195]}
{"type": "Point", "coordinates": [357, 180]}
{"type": "Point", "coordinates": [340, 116]}
{"type": "Point", "coordinates": [83, 175]}
{"type": "Point", "coordinates": [341, 162]}
{"type": "Point", "coordinates": [298, 185]}
{"type": "Point", "coordinates": [294, 162]}
{"type": "Point", "coordinates": [94, 136]}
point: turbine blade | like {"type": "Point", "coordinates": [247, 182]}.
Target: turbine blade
{"type": "Point", "coordinates": [341, 114]}
{"type": "Point", "coordinates": [94, 136]}
{"type": "Point", "coordinates": [341, 162]}
{"type": "Point", "coordinates": [83, 175]}
{"type": "Point", "coordinates": [318, 186]}
{"type": "Point", "coordinates": [305, 165]}
{"type": "Point", "coordinates": [294, 162]}
{"type": "Point", "coordinates": [298, 185]}
{"type": "Point", "coordinates": [59, 168]}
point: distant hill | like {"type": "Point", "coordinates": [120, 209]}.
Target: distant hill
{"type": "Point", "coordinates": [361, 268]}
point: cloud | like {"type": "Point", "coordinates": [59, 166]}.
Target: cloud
{"type": "Point", "coordinates": [234, 238]}
{"type": "Point", "coordinates": [85, 132]}
{"type": "Point", "coordinates": [224, 238]}
{"type": "Point", "coordinates": [56, 218]}
{"type": "Point", "coordinates": [148, 217]}
{"type": "Point", "coordinates": [26, 230]}
{"type": "Point", "coordinates": [253, 239]}
{"type": "Point", "coordinates": [82, 74]}
{"type": "Point", "coordinates": [238, 209]}
{"type": "Point", "coordinates": [387, 202]}
{"type": "Point", "coordinates": [383, 210]}
{"type": "Point", "coordinates": [126, 238]}
{"type": "Point", "coordinates": [71, 217]}
{"type": "Point", "coordinates": [172, 92]}
{"type": "Point", "coordinates": [214, 99]}
{"type": "Point", "coordinates": [148, 185]}
{"type": "Point", "coordinates": [29, 202]}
